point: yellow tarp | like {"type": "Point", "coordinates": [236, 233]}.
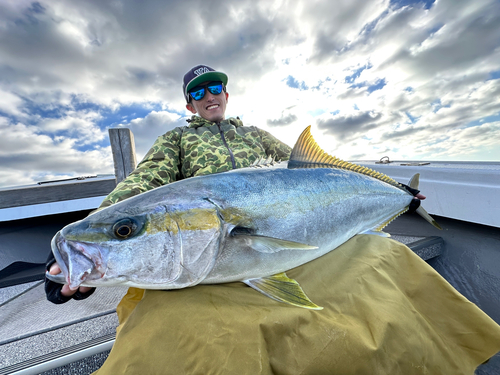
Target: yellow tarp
{"type": "Point", "coordinates": [385, 312]}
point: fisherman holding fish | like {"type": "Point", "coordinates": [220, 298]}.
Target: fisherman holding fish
{"type": "Point", "coordinates": [210, 143]}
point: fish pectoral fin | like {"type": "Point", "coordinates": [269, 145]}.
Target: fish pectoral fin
{"type": "Point", "coordinates": [269, 245]}
{"type": "Point", "coordinates": [283, 289]}
{"type": "Point", "coordinates": [376, 233]}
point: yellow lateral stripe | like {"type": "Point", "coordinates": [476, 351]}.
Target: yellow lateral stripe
{"type": "Point", "coordinates": [188, 220]}
{"type": "Point", "coordinates": [306, 150]}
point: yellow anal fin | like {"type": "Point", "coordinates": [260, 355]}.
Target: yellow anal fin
{"type": "Point", "coordinates": [307, 154]}
{"type": "Point", "coordinates": [376, 233]}
{"type": "Point", "coordinates": [283, 289]}
{"type": "Point", "coordinates": [422, 212]}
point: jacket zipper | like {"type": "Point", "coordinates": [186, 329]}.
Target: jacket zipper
{"type": "Point", "coordinates": [221, 132]}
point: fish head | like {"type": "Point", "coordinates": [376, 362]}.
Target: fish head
{"type": "Point", "coordinates": [157, 248]}
{"type": "Point", "coordinates": [84, 250]}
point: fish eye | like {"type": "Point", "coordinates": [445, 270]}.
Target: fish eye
{"type": "Point", "coordinates": [124, 228]}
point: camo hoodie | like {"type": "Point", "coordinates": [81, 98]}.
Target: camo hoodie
{"type": "Point", "coordinates": [203, 147]}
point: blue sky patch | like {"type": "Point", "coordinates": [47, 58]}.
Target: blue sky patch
{"type": "Point", "coordinates": [396, 4]}
{"type": "Point", "coordinates": [377, 86]}
{"type": "Point", "coordinates": [436, 28]}
{"type": "Point", "coordinates": [412, 119]}
{"type": "Point", "coordinates": [293, 83]}
{"type": "Point", "coordinates": [494, 75]}
{"type": "Point", "coordinates": [358, 85]}
{"type": "Point", "coordinates": [484, 120]}
{"type": "Point", "coordinates": [368, 27]}
{"type": "Point", "coordinates": [437, 105]}
{"type": "Point", "coordinates": [127, 113]}
{"type": "Point", "coordinates": [357, 73]}
{"type": "Point", "coordinates": [44, 111]}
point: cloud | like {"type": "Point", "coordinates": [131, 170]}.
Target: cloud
{"type": "Point", "coordinates": [10, 104]}
{"type": "Point", "coordinates": [283, 120]}
{"type": "Point", "coordinates": [80, 126]}
{"type": "Point", "coordinates": [349, 126]}
{"type": "Point", "coordinates": [415, 79]}
{"type": "Point", "coordinates": [25, 152]}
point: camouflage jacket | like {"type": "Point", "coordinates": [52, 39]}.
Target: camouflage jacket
{"type": "Point", "coordinates": [202, 147]}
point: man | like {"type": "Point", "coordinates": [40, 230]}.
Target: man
{"type": "Point", "coordinates": [208, 144]}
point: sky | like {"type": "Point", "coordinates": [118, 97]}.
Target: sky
{"type": "Point", "coordinates": [412, 80]}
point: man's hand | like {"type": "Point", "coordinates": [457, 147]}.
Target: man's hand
{"type": "Point", "coordinates": [66, 290]}
{"type": "Point", "coordinates": [57, 293]}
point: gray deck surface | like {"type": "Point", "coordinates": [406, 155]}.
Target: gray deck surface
{"type": "Point", "coordinates": [30, 326]}
{"type": "Point", "coordinates": [30, 313]}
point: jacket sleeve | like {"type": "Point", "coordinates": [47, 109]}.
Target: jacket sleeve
{"type": "Point", "coordinates": [274, 146]}
{"type": "Point", "coordinates": [159, 167]}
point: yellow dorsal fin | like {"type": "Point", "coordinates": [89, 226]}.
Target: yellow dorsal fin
{"type": "Point", "coordinates": [307, 154]}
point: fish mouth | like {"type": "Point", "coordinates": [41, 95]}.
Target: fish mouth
{"type": "Point", "coordinates": [80, 262]}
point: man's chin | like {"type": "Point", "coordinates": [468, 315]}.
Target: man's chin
{"type": "Point", "coordinates": [214, 117]}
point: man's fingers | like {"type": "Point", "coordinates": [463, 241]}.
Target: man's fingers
{"type": "Point", "coordinates": [55, 269]}
{"type": "Point", "coordinates": [67, 291]}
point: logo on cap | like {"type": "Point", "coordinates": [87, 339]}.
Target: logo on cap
{"type": "Point", "coordinates": [202, 70]}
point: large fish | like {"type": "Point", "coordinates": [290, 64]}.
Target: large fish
{"type": "Point", "coordinates": [248, 225]}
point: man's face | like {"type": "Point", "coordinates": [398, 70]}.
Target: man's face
{"type": "Point", "coordinates": [211, 107]}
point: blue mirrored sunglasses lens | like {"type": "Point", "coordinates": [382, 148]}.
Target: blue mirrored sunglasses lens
{"type": "Point", "coordinates": [197, 94]}
{"type": "Point", "coordinates": [215, 89]}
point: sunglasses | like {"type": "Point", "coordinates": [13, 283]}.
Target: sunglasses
{"type": "Point", "coordinates": [198, 92]}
